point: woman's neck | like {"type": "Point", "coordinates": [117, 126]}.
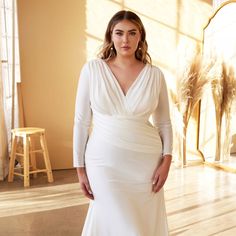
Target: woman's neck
{"type": "Point", "coordinates": [125, 61]}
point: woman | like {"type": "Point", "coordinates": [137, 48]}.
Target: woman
{"type": "Point", "coordinates": [124, 162]}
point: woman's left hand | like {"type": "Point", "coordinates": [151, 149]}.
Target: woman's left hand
{"type": "Point", "coordinates": [161, 173]}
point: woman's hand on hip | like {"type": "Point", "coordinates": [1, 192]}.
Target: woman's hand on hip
{"type": "Point", "coordinates": [84, 182]}
{"type": "Point", "coordinates": [160, 174]}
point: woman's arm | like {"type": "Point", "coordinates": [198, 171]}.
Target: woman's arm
{"type": "Point", "coordinates": [82, 122]}
{"type": "Point", "coordinates": [161, 120]}
{"type": "Point", "coordinates": [82, 118]}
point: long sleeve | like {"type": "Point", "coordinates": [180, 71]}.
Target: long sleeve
{"type": "Point", "coordinates": [161, 117]}
{"type": "Point", "coordinates": [82, 118]}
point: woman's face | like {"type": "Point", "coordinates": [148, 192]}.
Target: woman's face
{"type": "Point", "coordinates": [125, 36]}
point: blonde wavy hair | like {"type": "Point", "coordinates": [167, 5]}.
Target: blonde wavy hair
{"type": "Point", "coordinates": [108, 51]}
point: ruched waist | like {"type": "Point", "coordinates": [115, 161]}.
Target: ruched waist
{"type": "Point", "coordinates": [133, 133]}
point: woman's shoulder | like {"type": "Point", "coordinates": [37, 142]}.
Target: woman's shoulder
{"type": "Point", "coordinates": [156, 69]}
{"type": "Point", "coordinates": [157, 72]}
{"type": "Point", "coordinates": [89, 66]}
{"type": "Point", "coordinates": [93, 63]}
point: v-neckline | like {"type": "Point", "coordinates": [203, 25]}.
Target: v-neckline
{"type": "Point", "coordinates": [118, 84]}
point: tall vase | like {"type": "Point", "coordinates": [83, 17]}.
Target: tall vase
{"type": "Point", "coordinates": [184, 155]}
{"type": "Point", "coordinates": [218, 139]}
{"type": "Point", "coordinates": [227, 138]}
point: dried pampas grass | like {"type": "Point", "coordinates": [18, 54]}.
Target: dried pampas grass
{"type": "Point", "coordinates": [191, 83]}
{"type": "Point", "coordinates": [223, 87]}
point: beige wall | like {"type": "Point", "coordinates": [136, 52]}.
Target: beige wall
{"type": "Point", "coordinates": [58, 36]}
{"type": "Point", "coordinates": [52, 51]}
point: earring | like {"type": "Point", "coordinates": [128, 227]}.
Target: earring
{"type": "Point", "coordinates": [140, 45]}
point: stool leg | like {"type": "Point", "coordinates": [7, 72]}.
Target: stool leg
{"type": "Point", "coordinates": [32, 155]}
{"type": "Point", "coordinates": [26, 161]}
{"type": "Point", "coordinates": [46, 157]}
{"type": "Point", "coordinates": [12, 159]}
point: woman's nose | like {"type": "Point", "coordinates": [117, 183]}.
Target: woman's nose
{"type": "Point", "coordinates": [125, 38]}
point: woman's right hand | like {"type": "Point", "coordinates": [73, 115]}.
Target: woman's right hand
{"type": "Point", "coordinates": [84, 182]}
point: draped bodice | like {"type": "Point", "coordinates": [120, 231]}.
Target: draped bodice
{"type": "Point", "coordinates": [107, 97]}
{"type": "Point", "coordinates": [124, 119]}
{"type": "Point", "coordinates": [132, 133]}
{"type": "Point", "coordinates": [121, 119]}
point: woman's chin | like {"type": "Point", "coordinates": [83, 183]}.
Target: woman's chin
{"type": "Point", "coordinates": [127, 53]}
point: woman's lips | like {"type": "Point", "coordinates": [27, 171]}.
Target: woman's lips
{"type": "Point", "coordinates": [126, 47]}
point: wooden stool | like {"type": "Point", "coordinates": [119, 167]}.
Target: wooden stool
{"type": "Point", "coordinates": [28, 154]}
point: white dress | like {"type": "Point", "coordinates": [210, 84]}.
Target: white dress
{"type": "Point", "coordinates": [123, 149]}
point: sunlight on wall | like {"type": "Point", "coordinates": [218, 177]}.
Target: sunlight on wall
{"type": "Point", "coordinates": [98, 13]}
{"type": "Point", "coordinates": [220, 34]}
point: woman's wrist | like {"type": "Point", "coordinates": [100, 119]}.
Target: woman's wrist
{"type": "Point", "coordinates": [169, 156]}
{"type": "Point", "coordinates": [166, 159]}
{"type": "Point", "coordinates": [80, 169]}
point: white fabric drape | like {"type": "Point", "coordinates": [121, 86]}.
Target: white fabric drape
{"type": "Point", "coordinates": [3, 136]}
{"type": "Point", "coordinates": [10, 75]}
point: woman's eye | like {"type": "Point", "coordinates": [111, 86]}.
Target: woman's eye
{"type": "Point", "coordinates": [133, 33]}
{"type": "Point", "coordinates": [119, 33]}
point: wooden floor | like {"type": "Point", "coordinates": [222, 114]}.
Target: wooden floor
{"type": "Point", "coordinates": [199, 200]}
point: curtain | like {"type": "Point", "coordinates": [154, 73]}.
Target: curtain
{"type": "Point", "coordinates": [9, 77]}
{"type": "Point", "coordinates": [3, 136]}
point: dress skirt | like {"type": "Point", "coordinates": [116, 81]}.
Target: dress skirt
{"type": "Point", "coordinates": [123, 204]}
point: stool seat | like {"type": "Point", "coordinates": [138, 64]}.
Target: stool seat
{"type": "Point", "coordinates": [27, 135]}
{"type": "Point", "coordinates": [27, 131]}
